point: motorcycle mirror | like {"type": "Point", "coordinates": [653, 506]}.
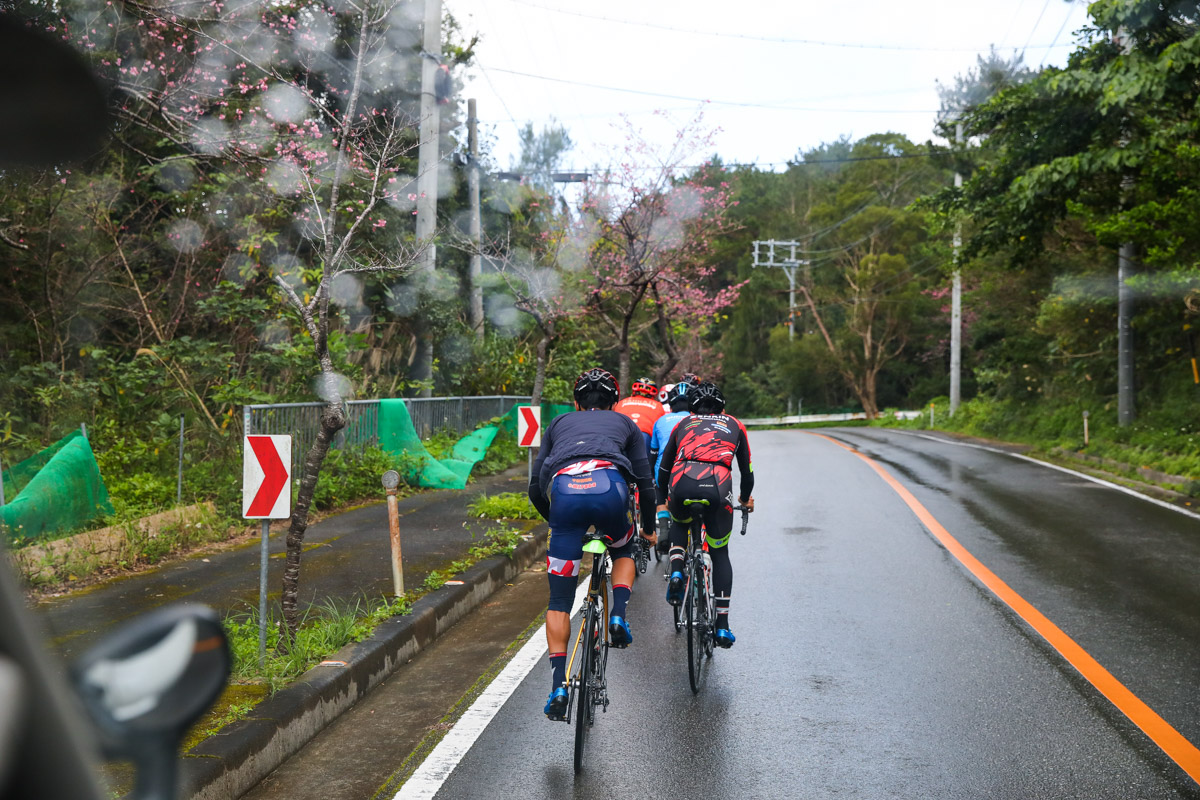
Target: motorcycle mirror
{"type": "Point", "coordinates": [147, 682]}
{"type": "Point", "coordinates": [52, 108]}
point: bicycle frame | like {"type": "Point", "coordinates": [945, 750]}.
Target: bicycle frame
{"type": "Point", "coordinates": [597, 596]}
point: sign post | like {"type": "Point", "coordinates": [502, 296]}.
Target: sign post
{"type": "Point", "coordinates": [529, 430]}
{"type": "Point", "coordinates": [266, 495]}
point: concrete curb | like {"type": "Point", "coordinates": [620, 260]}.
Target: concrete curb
{"type": "Point", "coordinates": [228, 764]}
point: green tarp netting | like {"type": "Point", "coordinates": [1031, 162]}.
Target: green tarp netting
{"type": "Point", "coordinates": [58, 489]}
{"type": "Point", "coordinates": [397, 435]}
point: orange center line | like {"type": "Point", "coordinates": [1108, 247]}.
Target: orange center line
{"type": "Point", "coordinates": [1173, 743]}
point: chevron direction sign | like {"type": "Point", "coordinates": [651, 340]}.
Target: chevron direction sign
{"type": "Point", "coordinates": [266, 477]}
{"type": "Point", "coordinates": [529, 426]}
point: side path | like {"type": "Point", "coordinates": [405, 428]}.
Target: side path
{"type": "Point", "coordinates": [346, 557]}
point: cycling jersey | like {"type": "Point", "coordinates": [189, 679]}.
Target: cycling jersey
{"type": "Point", "coordinates": [658, 440]}
{"type": "Point", "coordinates": [596, 434]}
{"type": "Point", "coordinates": [642, 410]}
{"type": "Point", "coordinates": [707, 441]}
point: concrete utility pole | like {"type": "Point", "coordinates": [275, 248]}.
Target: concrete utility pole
{"type": "Point", "coordinates": [476, 227]}
{"type": "Point", "coordinates": [1126, 379]}
{"type": "Point", "coordinates": [428, 162]}
{"type": "Point", "coordinates": [765, 256]}
{"type": "Point", "coordinates": [956, 301]}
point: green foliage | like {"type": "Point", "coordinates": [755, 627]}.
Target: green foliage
{"type": "Point", "coordinates": [352, 474]}
{"type": "Point", "coordinates": [506, 505]}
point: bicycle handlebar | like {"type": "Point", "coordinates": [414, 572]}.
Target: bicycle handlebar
{"type": "Point", "coordinates": [745, 516]}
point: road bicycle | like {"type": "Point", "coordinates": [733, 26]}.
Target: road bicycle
{"type": "Point", "coordinates": [698, 614]}
{"type": "Point", "coordinates": [641, 548]}
{"type": "Point", "coordinates": [587, 685]}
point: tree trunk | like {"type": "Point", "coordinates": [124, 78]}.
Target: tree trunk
{"type": "Point", "coordinates": [539, 377]}
{"type": "Point", "coordinates": [333, 419]}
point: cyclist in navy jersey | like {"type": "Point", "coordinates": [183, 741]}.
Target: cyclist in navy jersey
{"type": "Point", "coordinates": [696, 465]}
{"type": "Point", "coordinates": [580, 479]}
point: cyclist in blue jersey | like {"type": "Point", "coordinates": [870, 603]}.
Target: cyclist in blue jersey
{"type": "Point", "coordinates": [677, 398]}
{"type": "Point", "coordinates": [581, 478]}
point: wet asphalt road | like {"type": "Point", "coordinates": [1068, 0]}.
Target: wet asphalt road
{"type": "Point", "coordinates": [870, 663]}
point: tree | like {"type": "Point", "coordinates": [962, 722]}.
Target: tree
{"type": "Point", "coordinates": [652, 227]}
{"type": "Point", "coordinates": [1110, 142]}
{"type": "Point", "coordinates": [294, 125]}
{"type": "Point", "coordinates": [542, 154]}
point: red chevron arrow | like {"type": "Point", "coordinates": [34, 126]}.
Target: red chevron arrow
{"type": "Point", "coordinates": [275, 476]}
{"type": "Point", "coordinates": [531, 429]}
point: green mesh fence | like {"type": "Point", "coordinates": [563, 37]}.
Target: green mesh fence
{"type": "Point", "coordinates": [397, 435]}
{"type": "Point", "coordinates": [58, 489]}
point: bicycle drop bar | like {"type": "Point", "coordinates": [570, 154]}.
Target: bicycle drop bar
{"type": "Point", "coordinates": [745, 517]}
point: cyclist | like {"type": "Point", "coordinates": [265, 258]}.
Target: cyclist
{"type": "Point", "coordinates": [587, 460]}
{"type": "Point", "coordinates": [664, 392]}
{"type": "Point", "coordinates": [677, 400]}
{"type": "Point", "coordinates": [696, 465]}
{"type": "Point", "coordinates": [642, 406]}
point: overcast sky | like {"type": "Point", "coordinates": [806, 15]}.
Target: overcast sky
{"type": "Point", "coordinates": [779, 76]}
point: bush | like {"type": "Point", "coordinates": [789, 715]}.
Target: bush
{"type": "Point", "coordinates": [351, 475]}
{"type": "Point", "coordinates": [506, 505]}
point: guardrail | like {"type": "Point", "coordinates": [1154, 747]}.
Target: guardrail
{"type": "Point", "coordinates": [796, 419]}
{"type": "Point", "coordinates": [429, 414]}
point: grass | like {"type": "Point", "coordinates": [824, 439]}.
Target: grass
{"type": "Point", "coordinates": [506, 505]}
{"type": "Point", "coordinates": [1165, 438]}
{"type": "Point", "coordinates": [329, 626]}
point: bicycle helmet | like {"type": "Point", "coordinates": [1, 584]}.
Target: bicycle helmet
{"type": "Point", "coordinates": [665, 392]}
{"type": "Point", "coordinates": [690, 377]}
{"type": "Point", "coordinates": [679, 392]}
{"type": "Point", "coordinates": [644, 387]}
{"type": "Point", "coordinates": [596, 388]}
{"type": "Point", "coordinates": [706, 399]}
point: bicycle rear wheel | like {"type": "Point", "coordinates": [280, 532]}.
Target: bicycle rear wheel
{"type": "Point", "coordinates": [694, 609]}
{"type": "Point", "coordinates": [584, 706]}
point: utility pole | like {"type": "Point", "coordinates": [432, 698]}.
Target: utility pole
{"type": "Point", "coordinates": [956, 300]}
{"type": "Point", "coordinates": [476, 226]}
{"type": "Point", "coordinates": [765, 256]}
{"type": "Point", "coordinates": [428, 163]}
{"type": "Point", "coordinates": [1126, 387]}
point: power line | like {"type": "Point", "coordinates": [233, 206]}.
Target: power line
{"type": "Point", "coordinates": [752, 38]}
{"type": "Point", "coordinates": [736, 103]}
{"type": "Point", "coordinates": [1035, 25]}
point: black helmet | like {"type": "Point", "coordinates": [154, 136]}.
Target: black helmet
{"type": "Point", "coordinates": [596, 388]}
{"type": "Point", "coordinates": [678, 392]}
{"type": "Point", "coordinates": [706, 396]}
{"type": "Point", "coordinates": [690, 377]}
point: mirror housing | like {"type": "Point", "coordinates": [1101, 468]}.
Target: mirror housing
{"type": "Point", "coordinates": [146, 683]}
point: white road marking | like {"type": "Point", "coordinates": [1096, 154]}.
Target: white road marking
{"type": "Point", "coordinates": [438, 765]}
{"type": "Point", "coordinates": [1085, 476]}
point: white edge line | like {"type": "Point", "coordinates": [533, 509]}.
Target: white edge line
{"type": "Point", "coordinates": [445, 757]}
{"type": "Point", "coordinates": [1083, 475]}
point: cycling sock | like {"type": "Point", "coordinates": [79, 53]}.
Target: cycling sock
{"type": "Point", "coordinates": [722, 604]}
{"type": "Point", "coordinates": [558, 669]}
{"type": "Point", "coordinates": [620, 598]}
{"type": "Point", "coordinates": [676, 560]}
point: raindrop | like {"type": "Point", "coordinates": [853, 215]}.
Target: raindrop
{"type": "Point", "coordinates": [285, 178]}
{"type": "Point", "coordinates": [402, 299]}
{"type": "Point", "coordinates": [332, 387]}
{"type": "Point", "coordinates": [285, 103]}
{"type": "Point", "coordinates": [185, 235]}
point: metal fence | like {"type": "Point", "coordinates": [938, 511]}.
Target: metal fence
{"type": "Point", "coordinates": [429, 414]}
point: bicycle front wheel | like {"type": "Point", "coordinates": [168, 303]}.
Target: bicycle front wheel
{"type": "Point", "coordinates": [584, 707]}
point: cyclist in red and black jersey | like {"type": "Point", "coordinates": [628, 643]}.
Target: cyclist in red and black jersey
{"type": "Point", "coordinates": [697, 465]}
